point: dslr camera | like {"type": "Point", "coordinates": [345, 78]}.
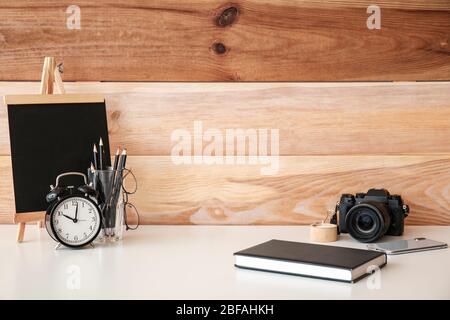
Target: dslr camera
{"type": "Point", "coordinates": [369, 216]}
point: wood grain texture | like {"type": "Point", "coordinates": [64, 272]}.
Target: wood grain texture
{"type": "Point", "coordinates": [302, 191]}
{"type": "Point", "coordinates": [313, 119]}
{"type": "Point", "coordinates": [334, 138]}
{"type": "Point", "coordinates": [292, 40]}
{"type": "Point", "coordinates": [7, 207]}
{"type": "Point", "coordinates": [52, 98]}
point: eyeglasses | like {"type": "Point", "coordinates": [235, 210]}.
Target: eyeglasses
{"type": "Point", "coordinates": [130, 208]}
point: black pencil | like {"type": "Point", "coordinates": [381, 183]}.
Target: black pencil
{"type": "Point", "coordinates": [100, 154]}
{"type": "Point", "coordinates": [117, 185]}
{"type": "Point", "coordinates": [124, 161]}
{"type": "Point", "coordinates": [116, 159]}
{"type": "Point", "coordinates": [95, 154]}
{"type": "Point", "coordinates": [120, 166]}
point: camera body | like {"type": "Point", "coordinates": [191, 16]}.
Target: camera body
{"type": "Point", "coordinates": [369, 216]}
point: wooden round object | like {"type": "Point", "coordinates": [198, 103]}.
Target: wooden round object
{"type": "Point", "coordinates": [323, 232]}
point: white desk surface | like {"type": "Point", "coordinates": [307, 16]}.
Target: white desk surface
{"type": "Point", "coordinates": [196, 262]}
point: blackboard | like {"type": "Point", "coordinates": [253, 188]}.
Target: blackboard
{"type": "Point", "coordinates": [49, 135]}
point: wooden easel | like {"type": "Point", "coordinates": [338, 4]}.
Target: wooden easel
{"type": "Point", "coordinates": [50, 76]}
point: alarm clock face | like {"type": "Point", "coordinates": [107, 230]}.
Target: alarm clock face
{"type": "Point", "coordinates": [75, 221]}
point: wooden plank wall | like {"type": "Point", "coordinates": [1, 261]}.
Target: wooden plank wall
{"type": "Point", "coordinates": [333, 138]}
{"type": "Point", "coordinates": [216, 40]}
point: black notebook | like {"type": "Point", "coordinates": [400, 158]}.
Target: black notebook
{"type": "Point", "coordinates": [310, 260]}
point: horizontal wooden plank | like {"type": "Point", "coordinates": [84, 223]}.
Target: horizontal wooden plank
{"type": "Point", "coordinates": [302, 191]}
{"type": "Point", "coordinates": [52, 98]}
{"type": "Point", "coordinates": [29, 217]}
{"type": "Point", "coordinates": [243, 40]}
{"type": "Point", "coordinates": [312, 118]}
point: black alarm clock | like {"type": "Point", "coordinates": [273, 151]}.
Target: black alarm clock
{"type": "Point", "coordinates": [73, 218]}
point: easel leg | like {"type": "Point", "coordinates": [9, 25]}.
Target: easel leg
{"type": "Point", "coordinates": [20, 231]}
{"type": "Point", "coordinates": [21, 219]}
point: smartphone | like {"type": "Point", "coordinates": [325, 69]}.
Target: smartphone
{"type": "Point", "coordinates": [407, 246]}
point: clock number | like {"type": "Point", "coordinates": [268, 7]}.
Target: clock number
{"type": "Point", "coordinates": [85, 235]}
{"type": "Point", "coordinates": [94, 219]}
{"type": "Point", "coordinates": [67, 235]}
{"type": "Point", "coordinates": [66, 206]}
{"type": "Point", "coordinates": [74, 203]}
{"type": "Point", "coordinates": [90, 210]}
{"type": "Point", "coordinates": [59, 213]}
{"type": "Point", "coordinates": [75, 238]}
{"type": "Point", "coordinates": [59, 230]}
{"type": "Point", "coordinates": [90, 228]}
{"type": "Point", "coordinates": [56, 221]}
{"type": "Point", "coordinates": [82, 204]}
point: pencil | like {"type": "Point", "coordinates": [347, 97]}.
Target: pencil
{"type": "Point", "coordinates": [124, 161]}
{"type": "Point", "coordinates": [100, 154]}
{"type": "Point", "coordinates": [117, 185]}
{"type": "Point", "coordinates": [116, 159]}
{"type": "Point", "coordinates": [95, 153]}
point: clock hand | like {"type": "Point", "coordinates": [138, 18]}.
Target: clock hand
{"type": "Point", "coordinates": [76, 213]}
{"type": "Point", "coordinates": [69, 218]}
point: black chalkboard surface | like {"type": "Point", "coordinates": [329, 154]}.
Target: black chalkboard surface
{"type": "Point", "coordinates": [49, 135]}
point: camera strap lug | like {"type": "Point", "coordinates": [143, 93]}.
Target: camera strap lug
{"type": "Point", "coordinates": [333, 219]}
{"type": "Point", "coordinates": [405, 209]}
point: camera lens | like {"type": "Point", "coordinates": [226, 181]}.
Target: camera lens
{"type": "Point", "coordinates": [367, 222]}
